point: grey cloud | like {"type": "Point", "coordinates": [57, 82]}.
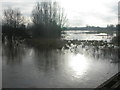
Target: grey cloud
{"type": "Point", "coordinates": [24, 7]}
{"type": "Point", "coordinates": [76, 19]}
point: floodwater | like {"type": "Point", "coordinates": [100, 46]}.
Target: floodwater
{"type": "Point", "coordinates": [87, 35]}
{"type": "Point", "coordinates": [80, 66]}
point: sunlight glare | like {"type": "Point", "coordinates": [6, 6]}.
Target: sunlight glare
{"type": "Point", "coordinates": [79, 64]}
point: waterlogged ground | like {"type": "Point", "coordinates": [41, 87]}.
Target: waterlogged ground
{"type": "Point", "coordinates": [86, 64]}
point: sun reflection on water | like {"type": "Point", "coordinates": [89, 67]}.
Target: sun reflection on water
{"type": "Point", "coordinates": [78, 64]}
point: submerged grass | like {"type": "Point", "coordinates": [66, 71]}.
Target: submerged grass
{"type": "Point", "coordinates": [59, 44]}
{"type": "Point", "coordinates": [46, 43]}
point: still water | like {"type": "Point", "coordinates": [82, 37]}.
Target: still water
{"type": "Point", "coordinates": [79, 66]}
{"type": "Point", "coordinates": [87, 35]}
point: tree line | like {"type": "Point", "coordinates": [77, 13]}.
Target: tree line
{"type": "Point", "coordinates": [48, 20]}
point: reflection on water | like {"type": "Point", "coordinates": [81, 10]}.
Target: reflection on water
{"type": "Point", "coordinates": [87, 35]}
{"type": "Point", "coordinates": [29, 67]}
{"type": "Point", "coordinates": [13, 53]}
{"type": "Point", "coordinates": [79, 66]}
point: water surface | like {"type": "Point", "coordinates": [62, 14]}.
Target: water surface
{"type": "Point", "coordinates": [87, 35]}
{"type": "Point", "coordinates": [80, 66]}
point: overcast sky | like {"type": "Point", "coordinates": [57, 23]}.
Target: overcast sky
{"type": "Point", "coordinates": [79, 12]}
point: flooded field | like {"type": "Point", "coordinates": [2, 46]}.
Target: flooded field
{"type": "Point", "coordinates": [78, 66]}
{"type": "Point", "coordinates": [87, 35]}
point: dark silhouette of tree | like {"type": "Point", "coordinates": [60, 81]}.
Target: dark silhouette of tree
{"type": "Point", "coordinates": [118, 33]}
{"type": "Point", "coordinates": [48, 19]}
{"type": "Point", "coordinates": [13, 27]}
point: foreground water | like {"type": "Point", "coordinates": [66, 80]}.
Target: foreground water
{"type": "Point", "coordinates": [79, 66]}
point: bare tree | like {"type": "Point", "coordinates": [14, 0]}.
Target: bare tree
{"type": "Point", "coordinates": [13, 25]}
{"type": "Point", "coordinates": [50, 16]}
{"type": "Point", "coordinates": [13, 17]}
{"type": "Point", "coordinates": [40, 13]}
